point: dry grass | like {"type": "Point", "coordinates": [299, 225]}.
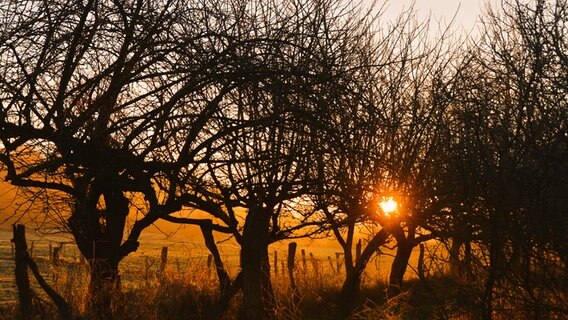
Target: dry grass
{"type": "Point", "coordinates": [187, 289]}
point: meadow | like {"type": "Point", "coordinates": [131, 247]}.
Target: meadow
{"type": "Point", "coordinates": [187, 286]}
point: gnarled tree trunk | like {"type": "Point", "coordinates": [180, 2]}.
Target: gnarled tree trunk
{"type": "Point", "coordinates": [398, 268]}
{"type": "Point", "coordinates": [21, 271]}
{"type": "Point", "coordinates": [222, 275]}
{"type": "Point", "coordinates": [405, 244]}
{"type": "Point", "coordinates": [351, 286]}
{"type": "Point", "coordinates": [98, 234]}
{"type": "Point", "coordinates": [104, 284]}
{"type": "Point", "coordinates": [254, 252]}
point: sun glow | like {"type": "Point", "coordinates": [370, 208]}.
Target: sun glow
{"type": "Point", "coordinates": [388, 205]}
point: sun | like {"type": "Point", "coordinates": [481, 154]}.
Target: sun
{"type": "Point", "coordinates": [388, 205]}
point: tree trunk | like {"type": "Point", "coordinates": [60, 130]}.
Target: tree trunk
{"type": "Point", "coordinates": [494, 259]}
{"type": "Point", "coordinates": [222, 275]}
{"type": "Point", "coordinates": [349, 293]}
{"type": "Point", "coordinates": [267, 290]}
{"type": "Point", "coordinates": [98, 234]}
{"type": "Point", "coordinates": [348, 250]}
{"type": "Point", "coordinates": [398, 267]}
{"type": "Point", "coordinates": [104, 285]}
{"type": "Point", "coordinates": [467, 261]}
{"type": "Point", "coordinates": [454, 259]}
{"type": "Point", "coordinates": [219, 308]}
{"type": "Point", "coordinates": [421, 273]}
{"type": "Point", "coordinates": [254, 251]}
{"type": "Point", "coordinates": [495, 256]}
{"type": "Point", "coordinates": [63, 308]}
{"type": "Point", "coordinates": [21, 271]}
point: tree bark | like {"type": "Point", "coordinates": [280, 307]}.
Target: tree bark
{"type": "Point", "coordinates": [98, 234]}
{"type": "Point", "coordinates": [495, 256]}
{"type": "Point", "coordinates": [421, 273]}
{"type": "Point", "coordinates": [104, 285]}
{"type": "Point", "coordinates": [467, 261]}
{"type": "Point", "coordinates": [254, 251]}
{"type": "Point", "coordinates": [398, 268]}
{"type": "Point", "coordinates": [21, 271]}
{"type": "Point", "coordinates": [222, 275]}
{"type": "Point", "coordinates": [222, 305]}
{"type": "Point", "coordinates": [267, 289]}
{"type": "Point", "coordinates": [455, 258]}
{"type": "Point", "coordinates": [349, 293]}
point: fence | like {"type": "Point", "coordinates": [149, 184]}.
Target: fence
{"type": "Point", "coordinates": [290, 265]}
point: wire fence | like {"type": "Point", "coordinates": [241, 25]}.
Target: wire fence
{"type": "Point", "coordinates": [313, 265]}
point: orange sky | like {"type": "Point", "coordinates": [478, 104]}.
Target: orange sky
{"type": "Point", "coordinates": [466, 12]}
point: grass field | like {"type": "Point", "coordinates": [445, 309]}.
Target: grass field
{"type": "Point", "coordinates": [319, 271]}
{"type": "Point", "coordinates": [319, 275]}
{"type": "Point", "coordinates": [185, 258]}
{"type": "Point", "coordinates": [187, 288]}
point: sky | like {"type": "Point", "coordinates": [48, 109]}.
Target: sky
{"type": "Point", "coordinates": [466, 12]}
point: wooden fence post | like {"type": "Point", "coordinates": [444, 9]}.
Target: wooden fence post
{"type": "Point", "coordinates": [146, 269]}
{"type": "Point", "coordinates": [303, 258]}
{"type": "Point", "coordinates": [275, 262]}
{"type": "Point", "coordinates": [358, 251]}
{"type": "Point", "coordinates": [55, 258]}
{"type": "Point", "coordinates": [291, 257]}
{"type": "Point", "coordinates": [31, 251]}
{"type": "Point", "coordinates": [314, 264]}
{"type": "Point", "coordinates": [209, 261]}
{"type": "Point", "coordinates": [164, 257]}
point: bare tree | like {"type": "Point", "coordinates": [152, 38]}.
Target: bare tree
{"type": "Point", "coordinates": [384, 137]}
{"type": "Point", "coordinates": [416, 142]}
{"type": "Point", "coordinates": [94, 95]}
{"type": "Point", "coordinates": [259, 175]}
{"type": "Point", "coordinates": [507, 152]}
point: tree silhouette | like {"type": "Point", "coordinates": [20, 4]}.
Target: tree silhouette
{"type": "Point", "coordinates": [384, 140]}
{"type": "Point", "coordinates": [507, 149]}
{"type": "Point", "coordinates": [94, 97]}
{"type": "Point", "coordinates": [260, 174]}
